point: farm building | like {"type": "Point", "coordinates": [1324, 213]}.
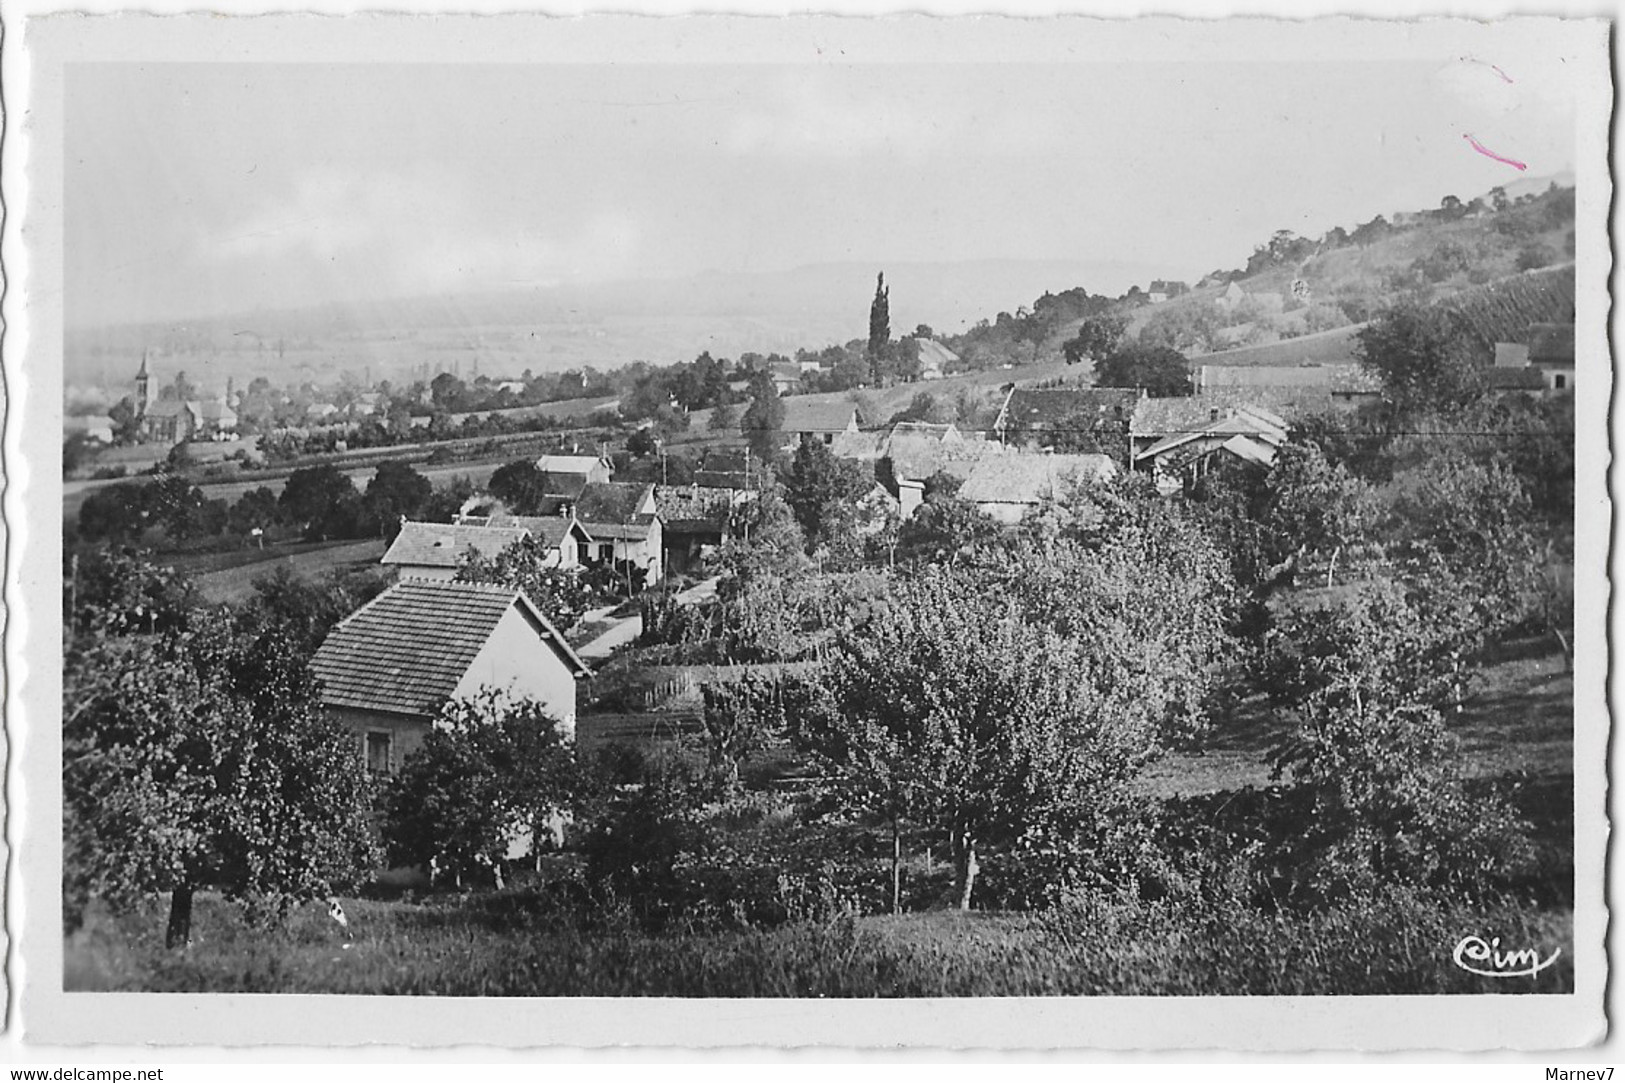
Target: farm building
{"type": "Point", "coordinates": [1008, 487]}
{"type": "Point", "coordinates": [435, 550]}
{"type": "Point", "coordinates": [1029, 413]}
{"type": "Point", "coordinates": [387, 669]}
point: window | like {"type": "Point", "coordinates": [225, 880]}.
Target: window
{"type": "Point", "coordinates": [829, 438]}
{"type": "Point", "coordinates": [378, 743]}
{"type": "Point", "coordinates": [1560, 380]}
{"type": "Point", "coordinates": [606, 552]}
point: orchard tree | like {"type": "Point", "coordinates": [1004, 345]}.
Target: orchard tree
{"type": "Point", "coordinates": [1312, 505]}
{"type": "Point", "coordinates": [302, 612]}
{"type": "Point", "coordinates": [944, 528]}
{"type": "Point", "coordinates": [1469, 526]}
{"type": "Point", "coordinates": [1425, 360]}
{"type": "Point", "coordinates": [951, 710]}
{"type": "Point", "coordinates": [114, 592]}
{"type": "Point", "coordinates": [202, 759]}
{"type": "Point", "coordinates": [490, 770]}
{"type": "Point", "coordinates": [1367, 680]}
{"type": "Point", "coordinates": [740, 716]}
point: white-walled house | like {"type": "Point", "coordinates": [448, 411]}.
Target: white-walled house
{"type": "Point", "coordinates": [436, 550]}
{"type": "Point", "coordinates": [388, 668]}
{"type": "Point", "coordinates": [623, 519]}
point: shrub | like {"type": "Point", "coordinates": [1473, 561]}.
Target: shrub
{"type": "Point", "coordinates": [1532, 256]}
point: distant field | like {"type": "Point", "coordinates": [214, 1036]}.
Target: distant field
{"type": "Point", "coordinates": [74, 493]}
{"type": "Point", "coordinates": [234, 583]}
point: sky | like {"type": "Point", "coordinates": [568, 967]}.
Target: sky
{"type": "Point", "coordinates": [210, 189]}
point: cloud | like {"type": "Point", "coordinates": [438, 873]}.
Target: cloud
{"type": "Point", "coordinates": [802, 116]}
{"type": "Point", "coordinates": [419, 232]}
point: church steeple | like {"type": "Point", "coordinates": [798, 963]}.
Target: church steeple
{"type": "Point", "coordinates": [143, 387]}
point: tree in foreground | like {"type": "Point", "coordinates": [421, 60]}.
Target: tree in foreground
{"type": "Point", "coordinates": [199, 759]}
{"type": "Point", "coordinates": [1368, 681]}
{"type": "Point", "coordinates": [950, 709]}
{"type": "Point", "coordinates": [490, 771]}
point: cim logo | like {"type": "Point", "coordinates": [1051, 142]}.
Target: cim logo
{"type": "Point", "coordinates": [1475, 956]}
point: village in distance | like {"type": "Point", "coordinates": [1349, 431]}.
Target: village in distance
{"type": "Point", "coordinates": [1213, 637]}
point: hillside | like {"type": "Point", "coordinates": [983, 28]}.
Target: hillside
{"type": "Point", "coordinates": [1344, 277]}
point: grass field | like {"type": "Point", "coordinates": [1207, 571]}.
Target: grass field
{"type": "Point", "coordinates": [515, 944]}
{"type": "Point", "coordinates": [228, 578]}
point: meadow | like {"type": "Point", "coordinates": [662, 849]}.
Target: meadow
{"type": "Point", "coordinates": [516, 943]}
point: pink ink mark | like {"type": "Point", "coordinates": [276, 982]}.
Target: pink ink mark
{"type": "Point", "coordinates": [1488, 153]}
{"type": "Point", "coordinates": [1493, 67]}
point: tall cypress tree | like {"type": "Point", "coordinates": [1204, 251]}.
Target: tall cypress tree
{"type": "Point", "coordinates": [879, 325]}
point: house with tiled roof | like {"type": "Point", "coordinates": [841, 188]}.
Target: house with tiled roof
{"type": "Point", "coordinates": [786, 376]}
{"type": "Point", "coordinates": [583, 467]}
{"type": "Point", "coordinates": [1541, 363]}
{"type": "Point", "coordinates": [624, 521]}
{"type": "Point", "coordinates": [1247, 433]}
{"type": "Point", "coordinates": [935, 359]}
{"type": "Point", "coordinates": [388, 668]}
{"type": "Point", "coordinates": [567, 541]}
{"type": "Point", "coordinates": [1343, 383]}
{"type": "Point", "coordinates": [1028, 413]}
{"type": "Point", "coordinates": [1009, 487]}
{"type": "Point", "coordinates": [820, 418]}
{"type": "Point", "coordinates": [435, 551]}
